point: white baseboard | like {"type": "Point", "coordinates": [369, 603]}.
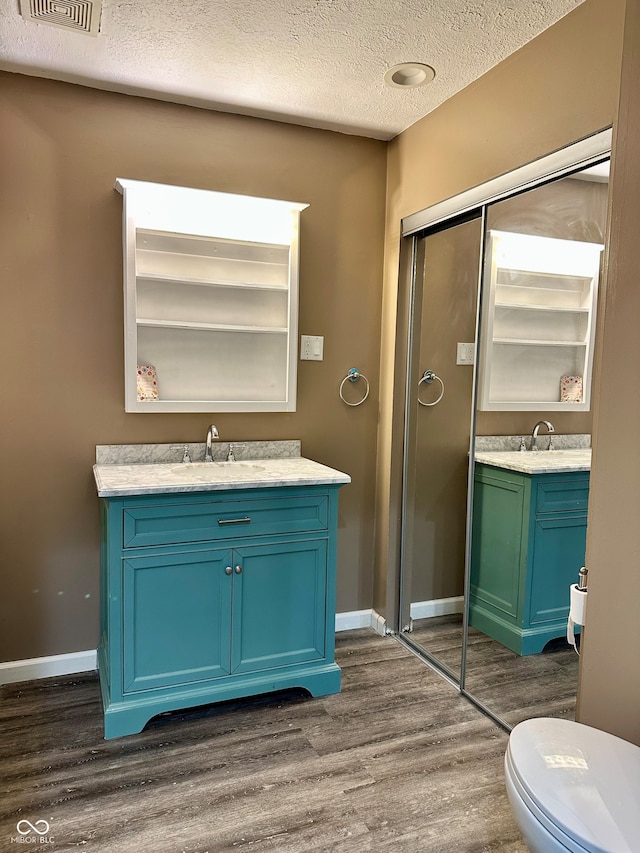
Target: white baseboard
{"type": "Point", "coordinates": [436, 607]}
{"type": "Point", "coordinates": [360, 619]}
{"type": "Point", "coordinates": [33, 668]}
{"type": "Point", "coordinates": [379, 624]}
{"type": "Point", "coordinates": [26, 670]}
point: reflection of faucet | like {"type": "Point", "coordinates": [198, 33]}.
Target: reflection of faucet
{"type": "Point", "coordinates": [534, 434]}
{"type": "Point", "coordinates": [212, 433]}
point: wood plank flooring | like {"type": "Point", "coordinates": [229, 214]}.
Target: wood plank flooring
{"type": "Point", "coordinates": [512, 686]}
{"type": "Point", "coordinates": [397, 761]}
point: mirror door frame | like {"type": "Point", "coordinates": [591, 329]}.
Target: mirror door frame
{"type": "Point", "coordinates": [573, 157]}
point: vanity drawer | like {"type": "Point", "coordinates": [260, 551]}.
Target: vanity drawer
{"type": "Point", "coordinates": [563, 494]}
{"type": "Point", "coordinates": [168, 524]}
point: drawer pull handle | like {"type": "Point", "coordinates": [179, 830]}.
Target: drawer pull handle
{"type": "Point", "coordinates": [245, 520]}
{"type": "Point", "coordinates": [228, 570]}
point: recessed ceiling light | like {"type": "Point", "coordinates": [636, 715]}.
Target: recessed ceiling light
{"type": "Point", "coordinates": [409, 75]}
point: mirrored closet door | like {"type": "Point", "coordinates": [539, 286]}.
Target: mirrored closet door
{"type": "Point", "coordinates": [438, 439]}
{"type": "Point", "coordinates": [529, 519]}
{"type": "Point", "coordinates": [502, 331]}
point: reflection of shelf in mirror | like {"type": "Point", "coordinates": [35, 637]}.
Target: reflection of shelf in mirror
{"type": "Point", "coordinates": [538, 342]}
{"type": "Point", "coordinates": [210, 327]}
{"type": "Point", "coordinates": [249, 285]}
{"type": "Point", "coordinates": [551, 274]}
{"type": "Point", "coordinates": [561, 309]}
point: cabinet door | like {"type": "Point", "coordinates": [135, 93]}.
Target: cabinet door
{"type": "Point", "coordinates": [279, 605]}
{"type": "Point", "coordinates": [176, 618]}
{"type": "Point", "coordinates": [498, 548]}
{"type": "Point", "coordinates": [559, 549]}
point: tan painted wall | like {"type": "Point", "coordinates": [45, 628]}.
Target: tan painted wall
{"type": "Point", "coordinates": [609, 695]}
{"type": "Point", "coordinates": [61, 148]}
{"type": "Point", "coordinates": [560, 87]}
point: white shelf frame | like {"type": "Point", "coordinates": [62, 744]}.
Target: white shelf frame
{"type": "Point", "coordinates": [214, 219]}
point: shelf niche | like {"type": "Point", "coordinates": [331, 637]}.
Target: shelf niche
{"type": "Point", "coordinates": [538, 321]}
{"type": "Point", "coordinates": [211, 299]}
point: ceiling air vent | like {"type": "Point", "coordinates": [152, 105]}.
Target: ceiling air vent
{"type": "Point", "coordinates": [83, 16]}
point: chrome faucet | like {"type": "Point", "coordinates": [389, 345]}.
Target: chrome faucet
{"type": "Point", "coordinates": [534, 434]}
{"type": "Point", "coordinates": [231, 456]}
{"type": "Point", "coordinates": [212, 434]}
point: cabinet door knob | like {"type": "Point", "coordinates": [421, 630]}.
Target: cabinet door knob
{"type": "Point", "coordinates": [238, 570]}
{"type": "Point", "coordinates": [228, 570]}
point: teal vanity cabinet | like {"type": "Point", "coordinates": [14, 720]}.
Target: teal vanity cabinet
{"type": "Point", "coordinates": [214, 595]}
{"type": "Point", "coordinates": [528, 544]}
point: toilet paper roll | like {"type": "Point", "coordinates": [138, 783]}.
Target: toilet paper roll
{"type": "Point", "coordinates": [578, 606]}
{"type": "Point", "coordinates": [577, 612]}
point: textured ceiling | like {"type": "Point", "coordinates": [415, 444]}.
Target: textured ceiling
{"type": "Point", "coordinates": [312, 62]}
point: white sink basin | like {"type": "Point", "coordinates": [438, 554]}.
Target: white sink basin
{"type": "Point", "coordinates": [206, 470]}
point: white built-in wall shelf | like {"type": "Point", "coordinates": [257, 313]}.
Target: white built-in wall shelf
{"type": "Point", "coordinates": [211, 299]}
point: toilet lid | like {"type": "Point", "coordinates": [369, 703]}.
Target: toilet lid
{"type": "Point", "coordinates": [581, 783]}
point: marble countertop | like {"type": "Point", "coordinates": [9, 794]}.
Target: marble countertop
{"type": "Point", "coordinates": [149, 479]}
{"type": "Point", "coordinates": [538, 462]}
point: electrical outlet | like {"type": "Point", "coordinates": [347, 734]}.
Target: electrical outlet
{"type": "Point", "coordinates": [311, 347]}
{"type": "Point", "coordinates": [465, 354]}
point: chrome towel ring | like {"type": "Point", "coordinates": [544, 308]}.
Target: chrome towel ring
{"type": "Point", "coordinates": [428, 376]}
{"type": "Point", "coordinates": [352, 376]}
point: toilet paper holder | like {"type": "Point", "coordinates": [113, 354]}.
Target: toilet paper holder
{"type": "Point", "coordinates": [577, 606]}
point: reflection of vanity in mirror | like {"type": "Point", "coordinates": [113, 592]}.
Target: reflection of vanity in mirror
{"type": "Point", "coordinates": [528, 544]}
{"type": "Point", "coordinates": [489, 550]}
{"type": "Point", "coordinates": [530, 507]}
{"type": "Point", "coordinates": [529, 518]}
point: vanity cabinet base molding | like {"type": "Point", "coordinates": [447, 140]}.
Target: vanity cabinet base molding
{"type": "Point", "coordinates": [528, 544]}
{"type": "Point", "coordinates": [213, 596]}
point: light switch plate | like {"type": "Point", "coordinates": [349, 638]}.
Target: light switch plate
{"type": "Point", "coordinates": [311, 347]}
{"type": "Point", "coordinates": [465, 353]}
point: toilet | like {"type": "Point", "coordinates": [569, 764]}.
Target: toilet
{"type": "Point", "coordinates": [573, 787]}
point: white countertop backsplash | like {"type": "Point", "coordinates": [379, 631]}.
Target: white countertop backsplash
{"type": "Point", "coordinates": [146, 454]}
{"type": "Point", "coordinates": [512, 442]}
